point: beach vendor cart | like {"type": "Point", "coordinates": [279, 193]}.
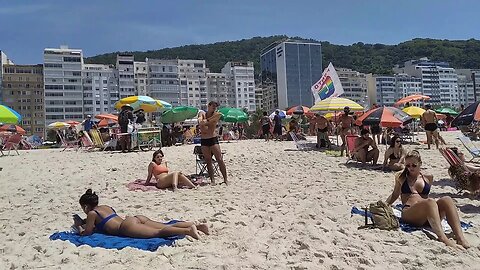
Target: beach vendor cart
{"type": "Point", "coordinates": [144, 139]}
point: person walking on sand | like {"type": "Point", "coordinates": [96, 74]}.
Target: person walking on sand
{"type": "Point", "coordinates": [345, 126]}
{"type": "Point", "coordinates": [277, 127]}
{"type": "Point", "coordinates": [429, 122]}
{"type": "Point", "coordinates": [266, 124]}
{"type": "Point", "coordinates": [207, 122]}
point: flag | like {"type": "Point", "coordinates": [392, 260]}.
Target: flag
{"type": "Point", "coordinates": [329, 85]}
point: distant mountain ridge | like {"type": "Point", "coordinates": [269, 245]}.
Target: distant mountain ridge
{"type": "Point", "coordinates": [366, 58]}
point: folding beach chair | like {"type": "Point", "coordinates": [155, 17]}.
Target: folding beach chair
{"type": "Point", "coordinates": [350, 142]}
{"type": "Point", "coordinates": [200, 163]}
{"type": "Point", "coordinates": [12, 143]}
{"type": "Point", "coordinates": [97, 138]}
{"type": "Point", "coordinates": [471, 148]}
{"type": "Point", "coordinates": [300, 144]}
{"type": "Point", "coordinates": [67, 143]}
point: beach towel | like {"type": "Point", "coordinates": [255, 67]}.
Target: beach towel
{"type": "Point", "coordinates": [407, 227]}
{"type": "Point", "coordinates": [139, 184]}
{"type": "Point", "coordinates": [116, 242]}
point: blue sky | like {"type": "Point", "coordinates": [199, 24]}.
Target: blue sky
{"type": "Point", "coordinates": [96, 26]}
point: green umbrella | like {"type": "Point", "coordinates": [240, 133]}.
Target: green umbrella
{"type": "Point", "coordinates": [179, 114]}
{"type": "Point", "coordinates": [446, 110]}
{"type": "Point", "coordinates": [233, 115]}
{"type": "Point", "coordinates": [9, 116]}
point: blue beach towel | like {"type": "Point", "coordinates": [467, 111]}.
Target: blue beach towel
{"type": "Point", "coordinates": [116, 242]}
{"type": "Point", "coordinates": [405, 226]}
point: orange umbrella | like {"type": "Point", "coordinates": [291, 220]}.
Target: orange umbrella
{"type": "Point", "coordinates": [411, 98]}
{"type": "Point", "coordinates": [13, 128]}
{"type": "Point", "coordinates": [298, 110]}
{"type": "Point", "coordinates": [385, 117]}
{"type": "Point", "coordinates": [107, 116]}
{"type": "Point", "coordinates": [72, 123]}
{"type": "Point", "coordinates": [106, 122]}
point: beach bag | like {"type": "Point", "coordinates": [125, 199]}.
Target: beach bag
{"type": "Point", "coordinates": [382, 216]}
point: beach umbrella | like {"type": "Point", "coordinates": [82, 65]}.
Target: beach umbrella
{"type": "Point", "coordinates": [179, 114]}
{"type": "Point", "coordinates": [105, 122]}
{"type": "Point", "coordinates": [336, 104]}
{"type": "Point", "coordinates": [9, 115]}
{"type": "Point", "coordinates": [411, 98]}
{"type": "Point", "coordinates": [72, 123]}
{"type": "Point", "coordinates": [298, 110]}
{"type": "Point", "coordinates": [446, 110]}
{"type": "Point", "coordinates": [163, 105]}
{"type": "Point", "coordinates": [385, 117]}
{"type": "Point", "coordinates": [413, 111]}
{"type": "Point", "coordinates": [107, 116]}
{"type": "Point", "coordinates": [467, 116]}
{"type": "Point", "coordinates": [281, 113]}
{"type": "Point", "coordinates": [58, 125]}
{"type": "Point", "coordinates": [145, 103]}
{"type": "Point", "coordinates": [13, 128]}
{"type": "Point", "coordinates": [233, 115]}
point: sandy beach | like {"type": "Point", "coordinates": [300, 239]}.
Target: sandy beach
{"type": "Point", "coordinates": [284, 209]}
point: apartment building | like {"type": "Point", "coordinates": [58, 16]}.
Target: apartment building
{"type": "Point", "coordinates": [193, 83]}
{"type": "Point", "coordinates": [3, 61]}
{"type": "Point", "coordinates": [354, 85]}
{"type": "Point", "coordinates": [219, 89]}
{"type": "Point", "coordinates": [266, 97]}
{"type": "Point", "coordinates": [389, 89]}
{"type": "Point", "coordinates": [242, 78]}
{"type": "Point", "coordinates": [141, 74]}
{"type": "Point", "coordinates": [23, 91]}
{"type": "Point", "coordinates": [162, 80]}
{"type": "Point", "coordinates": [126, 75]}
{"type": "Point", "coordinates": [100, 88]}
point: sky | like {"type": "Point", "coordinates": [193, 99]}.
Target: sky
{"type": "Point", "coordinates": [96, 26]}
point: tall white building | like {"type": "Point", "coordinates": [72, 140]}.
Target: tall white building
{"type": "Point", "coordinates": [3, 61]}
{"type": "Point", "coordinates": [162, 80]}
{"type": "Point", "coordinates": [141, 74]}
{"type": "Point", "coordinates": [193, 83]}
{"type": "Point", "coordinates": [466, 90]}
{"type": "Point", "coordinates": [241, 76]}
{"type": "Point", "coordinates": [126, 75]}
{"type": "Point", "coordinates": [63, 84]}
{"type": "Point", "coordinates": [389, 89]}
{"type": "Point", "coordinates": [218, 89]}
{"type": "Point", "coordinates": [100, 89]}
{"type": "Point", "coordinates": [354, 85]}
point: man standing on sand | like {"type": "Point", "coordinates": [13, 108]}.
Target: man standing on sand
{"type": "Point", "coordinates": [429, 123]}
{"type": "Point", "coordinates": [207, 122]}
{"type": "Point", "coordinates": [322, 127]}
{"type": "Point", "coordinates": [345, 126]}
{"type": "Point", "coordinates": [277, 126]}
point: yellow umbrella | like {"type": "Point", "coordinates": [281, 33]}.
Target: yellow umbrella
{"type": "Point", "coordinates": [58, 125]}
{"type": "Point", "coordinates": [336, 104]}
{"type": "Point", "coordinates": [413, 111]}
{"type": "Point", "coordinates": [145, 103]}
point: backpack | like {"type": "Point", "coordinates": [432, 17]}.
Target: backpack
{"type": "Point", "coordinates": [382, 216]}
{"type": "Point", "coordinates": [123, 119]}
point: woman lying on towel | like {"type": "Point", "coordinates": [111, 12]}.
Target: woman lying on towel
{"type": "Point", "coordinates": [163, 177]}
{"type": "Point", "coordinates": [413, 186]}
{"type": "Point", "coordinates": [395, 155]}
{"type": "Point", "coordinates": [104, 219]}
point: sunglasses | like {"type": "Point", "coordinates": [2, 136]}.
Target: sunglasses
{"type": "Point", "coordinates": [399, 141]}
{"type": "Point", "coordinates": [411, 165]}
{"type": "Point", "coordinates": [159, 156]}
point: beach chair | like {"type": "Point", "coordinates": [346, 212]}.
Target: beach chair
{"type": "Point", "coordinates": [12, 143]}
{"type": "Point", "coordinates": [350, 141]}
{"type": "Point", "coordinates": [68, 144]}
{"type": "Point", "coordinates": [471, 148]}
{"type": "Point", "coordinates": [201, 164]}
{"type": "Point", "coordinates": [97, 138]}
{"type": "Point", "coordinates": [300, 144]}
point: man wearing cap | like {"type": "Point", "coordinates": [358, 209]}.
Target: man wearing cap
{"type": "Point", "coordinates": [88, 123]}
{"type": "Point", "coordinates": [207, 122]}
{"type": "Point", "coordinates": [345, 126]}
{"type": "Point", "coordinates": [124, 118]}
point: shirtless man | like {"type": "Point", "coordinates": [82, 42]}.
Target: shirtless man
{"type": "Point", "coordinates": [322, 126]}
{"type": "Point", "coordinates": [209, 140]}
{"type": "Point", "coordinates": [345, 126]}
{"type": "Point", "coordinates": [362, 144]}
{"type": "Point", "coordinates": [429, 122]}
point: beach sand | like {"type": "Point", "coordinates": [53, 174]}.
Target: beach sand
{"type": "Point", "coordinates": [284, 209]}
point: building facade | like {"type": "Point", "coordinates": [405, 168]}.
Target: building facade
{"type": "Point", "coordinates": [3, 61]}
{"type": "Point", "coordinates": [23, 92]}
{"type": "Point", "coordinates": [219, 89]}
{"type": "Point", "coordinates": [389, 89]}
{"type": "Point", "coordinates": [63, 84]}
{"type": "Point", "coordinates": [266, 97]}
{"type": "Point", "coordinates": [126, 75]}
{"type": "Point", "coordinates": [100, 89]}
{"type": "Point", "coordinates": [242, 78]}
{"type": "Point", "coordinates": [141, 74]}
{"type": "Point", "coordinates": [354, 85]}
{"type": "Point", "coordinates": [193, 83]}
{"type": "Point", "coordinates": [294, 66]}
{"type": "Point", "coordinates": [162, 80]}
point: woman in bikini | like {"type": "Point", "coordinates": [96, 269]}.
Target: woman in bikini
{"type": "Point", "coordinates": [395, 155]}
{"type": "Point", "coordinates": [103, 218]}
{"type": "Point", "coordinates": [413, 186]}
{"type": "Point", "coordinates": [163, 177]}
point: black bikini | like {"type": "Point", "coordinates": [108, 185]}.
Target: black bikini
{"type": "Point", "coordinates": [405, 189]}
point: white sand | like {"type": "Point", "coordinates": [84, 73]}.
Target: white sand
{"type": "Point", "coordinates": [283, 210]}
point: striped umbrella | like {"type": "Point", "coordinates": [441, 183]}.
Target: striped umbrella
{"type": "Point", "coordinates": [145, 103]}
{"type": "Point", "coordinates": [58, 125]}
{"type": "Point", "coordinates": [467, 116]}
{"type": "Point", "coordinates": [298, 110]}
{"type": "Point", "coordinates": [385, 117]}
{"type": "Point", "coordinates": [336, 104]}
{"type": "Point", "coordinates": [9, 115]}
{"type": "Point", "coordinates": [13, 128]}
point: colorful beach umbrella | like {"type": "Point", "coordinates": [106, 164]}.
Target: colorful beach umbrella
{"type": "Point", "coordinates": [58, 125]}
{"type": "Point", "coordinates": [446, 110]}
{"type": "Point", "coordinates": [413, 111]}
{"type": "Point", "coordinates": [233, 115]}
{"type": "Point", "coordinates": [107, 116]}
{"type": "Point", "coordinates": [411, 98]}
{"type": "Point", "coordinates": [9, 115]}
{"type": "Point", "coordinates": [298, 110]}
{"type": "Point", "coordinates": [336, 104]}
{"type": "Point", "coordinates": [13, 128]}
{"type": "Point", "coordinates": [145, 103]}
{"type": "Point", "coordinates": [179, 114]}
{"type": "Point", "coordinates": [467, 116]}
{"type": "Point", "coordinates": [163, 105]}
{"type": "Point", "coordinates": [385, 117]}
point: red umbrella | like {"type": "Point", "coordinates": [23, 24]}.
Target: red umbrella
{"type": "Point", "coordinates": [107, 116]}
{"type": "Point", "coordinates": [298, 110]}
{"type": "Point", "coordinates": [106, 122]}
{"type": "Point", "coordinates": [13, 128]}
{"type": "Point", "coordinates": [411, 98]}
{"type": "Point", "coordinates": [385, 117]}
{"type": "Point", "coordinates": [72, 123]}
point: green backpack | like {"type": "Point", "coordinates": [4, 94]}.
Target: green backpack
{"type": "Point", "coordinates": [382, 216]}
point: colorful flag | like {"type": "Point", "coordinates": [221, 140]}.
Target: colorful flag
{"type": "Point", "coordinates": [329, 85]}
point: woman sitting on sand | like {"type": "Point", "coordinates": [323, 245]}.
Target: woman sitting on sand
{"type": "Point", "coordinates": [163, 177]}
{"type": "Point", "coordinates": [104, 219]}
{"type": "Point", "coordinates": [413, 186]}
{"type": "Point", "coordinates": [394, 155]}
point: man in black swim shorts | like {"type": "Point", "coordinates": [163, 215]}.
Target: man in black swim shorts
{"type": "Point", "coordinates": [429, 122]}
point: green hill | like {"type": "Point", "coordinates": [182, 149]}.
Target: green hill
{"type": "Point", "coordinates": [367, 58]}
